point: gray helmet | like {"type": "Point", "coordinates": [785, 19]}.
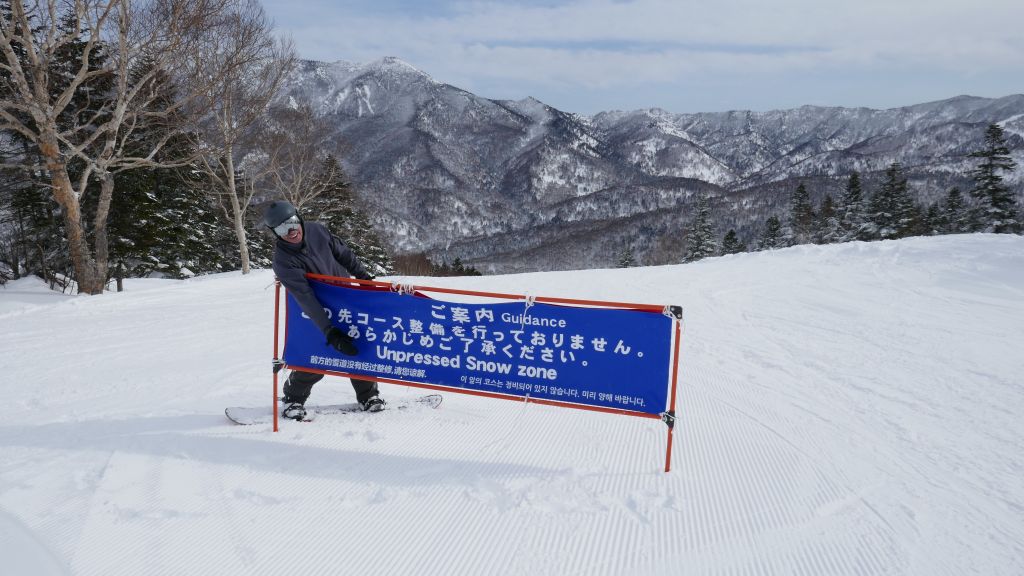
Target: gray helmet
{"type": "Point", "coordinates": [278, 211]}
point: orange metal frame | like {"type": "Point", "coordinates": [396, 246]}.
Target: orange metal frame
{"type": "Point", "coordinates": [668, 417]}
{"type": "Point", "coordinates": [277, 362]}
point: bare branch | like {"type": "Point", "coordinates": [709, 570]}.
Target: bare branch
{"type": "Point", "coordinates": [171, 64]}
{"type": "Point", "coordinates": [297, 149]}
{"type": "Point", "coordinates": [250, 66]}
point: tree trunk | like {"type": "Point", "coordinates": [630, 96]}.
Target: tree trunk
{"type": "Point", "coordinates": [23, 243]}
{"type": "Point", "coordinates": [100, 237]}
{"type": "Point", "coordinates": [236, 213]}
{"type": "Point", "coordinates": [87, 273]}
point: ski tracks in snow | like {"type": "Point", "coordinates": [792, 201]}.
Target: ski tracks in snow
{"type": "Point", "coordinates": [842, 410]}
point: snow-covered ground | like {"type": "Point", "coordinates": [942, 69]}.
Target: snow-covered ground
{"type": "Point", "coordinates": [848, 409]}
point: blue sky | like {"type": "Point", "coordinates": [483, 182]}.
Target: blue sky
{"type": "Point", "coordinates": [586, 56]}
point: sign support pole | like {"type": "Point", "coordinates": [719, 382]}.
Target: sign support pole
{"type": "Point", "coordinates": [277, 360]}
{"type": "Point", "coordinates": [670, 417]}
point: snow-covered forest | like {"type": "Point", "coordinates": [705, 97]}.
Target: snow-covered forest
{"type": "Point", "coordinates": [140, 139]}
{"type": "Point", "coordinates": [888, 212]}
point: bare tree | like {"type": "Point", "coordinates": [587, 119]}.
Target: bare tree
{"type": "Point", "coordinates": [139, 49]}
{"type": "Point", "coordinates": [237, 100]}
{"type": "Point", "coordinates": [297, 145]}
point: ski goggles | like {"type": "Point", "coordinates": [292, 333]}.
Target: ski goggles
{"type": "Point", "coordinates": [285, 227]}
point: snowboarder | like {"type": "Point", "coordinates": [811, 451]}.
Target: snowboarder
{"type": "Point", "coordinates": [303, 247]}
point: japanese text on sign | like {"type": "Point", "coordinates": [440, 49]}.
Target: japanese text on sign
{"type": "Point", "coordinates": [597, 356]}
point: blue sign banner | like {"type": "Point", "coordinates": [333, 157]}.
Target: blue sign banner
{"type": "Point", "coordinates": [612, 358]}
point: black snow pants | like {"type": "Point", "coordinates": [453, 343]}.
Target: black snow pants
{"type": "Point", "coordinates": [299, 385]}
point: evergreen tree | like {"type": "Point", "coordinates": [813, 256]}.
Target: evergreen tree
{"type": "Point", "coordinates": [800, 226]}
{"type": "Point", "coordinates": [163, 223]}
{"type": "Point", "coordinates": [90, 102]}
{"type": "Point", "coordinates": [956, 217]}
{"type": "Point", "coordinates": [891, 211]}
{"type": "Point", "coordinates": [772, 237]}
{"type": "Point", "coordinates": [626, 258]}
{"type": "Point", "coordinates": [133, 225]}
{"type": "Point", "coordinates": [731, 243]}
{"type": "Point", "coordinates": [933, 224]}
{"type": "Point", "coordinates": [337, 209]}
{"type": "Point", "coordinates": [460, 269]}
{"type": "Point", "coordinates": [701, 239]}
{"type": "Point", "coordinates": [852, 211]}
{"type": "Point", "coordinates": [30, 221]}
{"type": "Point", "coordinates": [195, 238]}
{"type": "Point", "coordinates": [918, 219]}
{"type": "Point", "coordinates": [827, 229]}
{"type": "Point", "coordinates": [997, 209]}
{"type": "Point", "coordinates": [161, 219]}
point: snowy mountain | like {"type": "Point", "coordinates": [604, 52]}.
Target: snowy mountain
{"type": "Point", "coordinates": [519, 185]}
{"type": "Point", "coordinates": [848, 409]}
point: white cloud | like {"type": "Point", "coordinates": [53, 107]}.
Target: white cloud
{"type": "Point", "coordinates": [599, 44]}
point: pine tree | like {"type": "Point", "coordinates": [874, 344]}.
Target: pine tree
{"type": "Point", "coordinates": [891, 211]}
{"type": "Point", "coordinates": [772, 237]}
{"type": "Point", "coordinates": [626, 258]}
{"type": "Point", "coordinates": [701, 239]}
{"type": "Point", "coordinates": [997, 209]}
{"type": "Point", "coordinates": [731, 243]}
{"type": "Point", "coordinates": [956, 217]}
{"type": "Point", "coordinates": [161, 219]}
{"type": "Point", "coordinates": [133, 225]}
{"type": "Point", "coordinates": [852, 212]}
{"type": "Point", "coordinates": [458, 268]}
{"type": "Point", "coordinates": [163, 223]}
{"type": "Point", "coordinates": [800, 226]}
{"type": "Point", "coordinates": [32, 236]}
{"type": "Point", "coordinates": [195, 238]}
{"type": "Point", "coordinates": [827, 229]}
{"type": "Point", "coordinates": [90, 102]}
{"type": "Point", "coordinates": [917, 224]}
{"type": "Point", "coordinates": [933, 224]}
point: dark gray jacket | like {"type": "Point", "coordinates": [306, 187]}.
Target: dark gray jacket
{"type": "Point", "coordinates": [319, 253]}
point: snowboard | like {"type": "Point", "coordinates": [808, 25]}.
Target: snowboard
{"type": "Point", "coordinates": [248, 416]}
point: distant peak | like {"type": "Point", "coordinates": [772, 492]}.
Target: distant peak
{"type": "Point", "coordinates": [657, 112]}
{"type": "Point", "coordinates": [531, 102]}
{"type": "Point", "coordinates": [394, 63]}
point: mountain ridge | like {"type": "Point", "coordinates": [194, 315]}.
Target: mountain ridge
{"type": "Point", "coordinates": [459, 175]}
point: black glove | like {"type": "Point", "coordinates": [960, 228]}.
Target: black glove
{"type": "Point", "coordinates": [341, 341]}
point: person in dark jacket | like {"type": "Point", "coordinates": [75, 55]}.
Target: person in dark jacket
{"type": "Point", "coordinates": [309, 247]}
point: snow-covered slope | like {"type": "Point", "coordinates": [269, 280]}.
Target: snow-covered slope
{"type": "Point", "coordinates": [848, 409]}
